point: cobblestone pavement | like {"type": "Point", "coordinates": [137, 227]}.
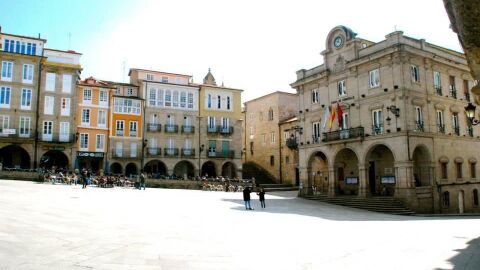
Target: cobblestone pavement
{"type": "Point", "coordinates": [44, 226]}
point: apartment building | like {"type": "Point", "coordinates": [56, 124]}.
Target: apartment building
{"type": "Point", "coordinates": [221, 128]}
{"type": "Point", "coordinates": [92, 120]}
{"type": "Point", "coordinates": [20, 58]}
{"type": "Point", "coordinates": [57, 104]}
{"type": "Point", "coordinates": [402, 131]}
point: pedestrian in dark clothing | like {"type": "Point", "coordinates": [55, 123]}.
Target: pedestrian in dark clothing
{"type": "Point", "coordinates": [142, 181]}
{"type": "Point", "coordinates": [261, 196]}
{"type": "Point", "coordinates": [84, 178]}
{"type": "Point", "coordinates": [246, 198]}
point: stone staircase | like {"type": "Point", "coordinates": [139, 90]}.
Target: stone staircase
{"type": "Point", "coordinates": [278, 187]}
{"type": "Point", "coordinates": [375, 204]}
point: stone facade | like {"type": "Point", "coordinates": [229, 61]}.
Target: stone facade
{"type": "Point", "coordinates": [403, 132]}
{"type": "Point", "coordinates": [263, 135]}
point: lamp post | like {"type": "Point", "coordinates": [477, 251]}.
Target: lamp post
{"type": "Point", "coordinates": [470, 111]}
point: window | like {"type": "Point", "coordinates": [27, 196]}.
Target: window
{"type": "Point", "coordinates": [377, 122]}
{"type": "Point", "coordinates": [466, 91]}
{"type": "Point", "coordinates": [251, 148]}
{"type": "Point", "coordinates": [49, 105]}
{"type": "Point", "coordinates": [446, 199]}
{"type": "Point", "coordinates": [225, 123]}
{"type": "Point", "coordinates": [211, 123]}
{"type": "Point", "coordinates": [26, 101]}
{"type": "Point", "coordinates": [87, 95]}
{"type": "Point", "coordinates": [287, 159]}
{"type": "Point", "coordinates": [150, 77]}
{"type": "Point", "coordinates": [50, 82]}
{"type": "Point", "coordinates": [175, 99]}
{"type": "Point", "coordinates": [228, 103]}
{"type": "Point", "coordinates": [272, 137]}
{"type": "Point", "coordinates": [47, 131]}
{"type": "Point", "coordinates": [270, 114]}
{"type": "Point", "coordinates": [190, 100]}
{"type": "Point", "coordinates": [315, 132]}
{"type": "Point", "coordinates": [64, 131]}
{"type": "Point", "coordinates": [168, 98]}
{"type": "Point", "coordinates": [86, 117]}
{"type": "Point", "coordinates": [440, 122]}
{"type": "Point", "coordinates": [286, 135]}
{"type": "Point", "coordinates": [315, 96]}
{"type": "Point", "coordinates": [437, 83]}
{"type": "Point", "coordinates": [272, 160]}
{"type": "Point", "coordinates": [418, 118]}
{"type": "Point", "coordinates": [219, 102]}
{"type": "Point", "coordinates": [27, 76]}
{"type": "Point", "coordinates": [129, 92]}
{"type": "Point", "coordinates": [120, 127]}
{"type": "Point", "coordinates": [209, 101]}
{"type": "Point", "coordinates": [164, 79]}
{"type": "Point", "coordinates": [34, 49]}
{"type": "Point", "coordinates": [374, 78]}
{"type": "Point", "coordinates": [133, 128]}
{"type": "Point", "coordinates": [133, 149]}
{"type": "Point", "coordinates": [7, 68]}
{"type": "Point", "coordinates": [444, 171]}
{"type": "Point", "coordinates": [264, 138]}
{"type": "Point", "coordinates": [345, 121]}
{"type": "Point", "coordinates": [103, 99]}
{"type": "Point", "coordinates": [342, 89]}
{"type": "Point", "coordinates": [183, 99]}
{"type": "Point", "coordinates": [84, 141]}
{"type": "Point", "coordinates": [4, 122]}
{"type": "Point", "coordinates": [67, 83]}
{"type": "Point", "coordinates": [152, 97]}
{"type": "Point", "coordinates": [473, 170]}
{"type": "Point", "coordinates": [102, 118]}
{"type": "Point", "coordinates": [475, 197]}
{"type": "Point", "coordinates": [22, 46]}
{"type": "Point", "coordinates": [455, 124]}
{"type": "Point", "coordinates": [126, 105]}
{"type": "Point", "coordinates": [117, 91]}
{"type": "Point", "coordinates": [415, 74]}
{"type": "Point", "coordinates": [458, 166]}
{"type": "Point", "coordinates": [65, 107]}
{"type": "Point", "coordinates": [100, 142]}
{"type": "Point", "coordinates": [451, 87]}
{"type": "Point", "coordinates": [29, 48]}
{"type": "Point", "coordinates": [5, 97]}
{"type": "Point", "coordinates": [24, 126]}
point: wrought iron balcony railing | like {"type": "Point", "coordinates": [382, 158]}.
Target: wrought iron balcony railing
{"type": "Point", "coordinates": [344, 134]}
{"type": "Point", "coordinates": [15, 133]}
{"type": "Point", "coordinates": [188, 152]}
{"type": "Point", "coordinates": [441, 128]}
{"type": "Point", "coordinates": [291, 143]}
{"type": "Point", "coordinates": [225, 130]}
{"type": "Point", "coordinates": [453, 92]}
{"type": "Point", "coordinates": [56, 138]}
{"type": "Point", "coordinates": [171, 128]}
{"type": "Point", "coordinates": [125, 153]}
{"type": "Point", "coordinates": [154, 151]}
{"type": "Point", "coordinates": [188, 129]}
{"type": "Point", "coordinates": [221, 154]}
{"type": "Point", "coordinates": [119, 132]}
{"type": "Point", "coordinates": [377, 129]}
{"type": "Point", "coordinates": [212, 129]}
{"type": "Point", "coordinates": [170, 152]}
{"type": "Point", "coordinates": [438, 90]}
{"type": "Point", "coordinates": [456, 130]}
{"type": "Point", "coordinates": [419, 126]}
{"type": "Point", "coordinates": [154, 127]}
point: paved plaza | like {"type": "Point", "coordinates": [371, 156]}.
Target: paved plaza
{"type": "Point", "coordinates": [44, 226]}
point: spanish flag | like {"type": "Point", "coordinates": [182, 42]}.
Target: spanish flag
{"type": "Point", "coordinates": [332, 116]}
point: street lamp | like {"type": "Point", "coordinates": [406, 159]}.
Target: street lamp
{"type": "Point", "coordinates": [470, 110]}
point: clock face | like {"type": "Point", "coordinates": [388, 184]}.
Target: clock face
{"type": "Point", "coordinates": [338, 42]}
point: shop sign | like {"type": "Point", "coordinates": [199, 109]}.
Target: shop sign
{"type": "Point", "coordinates": [90, 154]}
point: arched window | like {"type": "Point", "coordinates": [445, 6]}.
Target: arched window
{"type": "Point", "coordinates": [446, 199]}
{"type": "Point", "coordinates": [270, 114]}
{"type": "Point", "coordinates": [475, 197]}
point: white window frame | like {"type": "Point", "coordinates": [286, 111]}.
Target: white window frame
{"type": "Point", "coordinates": [64, 131]}
{"type": "Point", "coordinates": [87, 96]}
{"type": "Point", "coordinates": [150, 77]}
{"type": "Point", "coordinates": [67, 83]}
{"type": "Point", "coordinates": [65, 106]}
{"type": "Point", "coordinates": [83, 140]}
{"type": "Point", "coordinates": [49, 105]}
{"type": "Point", "coordinates": [377, 121]}
{"type": "Point", "coordinates": [102, 115]}
{"type": "Point", "coordinates": [103, 97]}
{"type": "Point", "coordinates": [418, 114]}
{"type": "Point", "coordinates": [437, 80]}
{"type": "Point", "coordinates": [26, 103]}
{"type": "Point", "coordinates": [6, 93]}
{"type": "Point", "coordinates": [341, 88]}
{"type": "Point", "coordinates": [120, 125]}
{"type": "Point", "coordinates": [27, 73]}
{"type": "Point", "coordinates": [24, 124]}
{"type": "Point", "coordinates": [415, 73]}
{"type": "Point", "coordinates": [133, 127]}
{"type": "Point", "coordinates": [50, 79]}
{"type": "Point", "coordinates": [374, 78]}
{"type": "Point", "coordinates": [86, 116]}
{"type": "Point", "coordinates": [315, 96]}
{"type": "Point", "coordinates": [272, 137]}
{"type": "Point", "coordinates": [7, 71]}
{"type": "Point", "coordinates": [47, 131]}
{"type": "Point", "coordinates": [316, 132]}
{"type": "Point", "coordinates": [440, 118]}
{"type": "Point", "coordinates": [100, 142]}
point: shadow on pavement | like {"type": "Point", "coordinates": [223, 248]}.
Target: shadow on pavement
{"type": "Point", "coordinates": [468, 258]}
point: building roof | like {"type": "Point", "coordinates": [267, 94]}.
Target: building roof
{"type": "Point", "coordinates": [119, 83]}
{"type": "Point", "coordinates": [20, 36]}
{"type": "Point", "coordinates": [91, 81]}
{"type": "Point", "coordinates": [157, 71]}
{"type": "Point", "coordinates": [270, 94]}
{"type": "Point", "coordinates": [209, 79]}
{"type": "Point", "coordinates": [68, 51]}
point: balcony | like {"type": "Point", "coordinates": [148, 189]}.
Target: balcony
{"type": "Point", "coordinates": [441, 128]}
{"type": "Point", "coordinates": [154, 127]}
{"type": "Point", "coordinates": [456, 130]}
{"type": "Point", "coordinates": [125, 154]}
{"type": "Point", "coordinates": [467, 96]}
{"type": "Point", "coordinates": [16, 133]}
{"type": "Point", "coordinates": [171, 128]}
{"type": "Point", "coordinates": [56, 138]}
{"type": "Point", "coordinates": [154, 151]}
{"type": "Point", "coordinates": [133, 133]}
{"type": "Point", "coordinates": [221, 154]}
{"type": "Point", "coordinates": [211, 129]}
{"type": "Point", "coordinates": [292, 143]}
{"type": "Point", "coordinates": [225, 130]}
{"type": "Point", "coordinates": [419, 126]}
{"type": "Point", "coordinates": [377, 129]}
{"type": "Point", "coordinates": [170, 152]}
{"type": "Point", "coordinates": [438, 90]}
{"type": "Point", "coordinates": [188, 129]}
{"type": "Point", "coordinates": [350, 133]}
{"type": "Point", "coordinates": [119, 133]}
{"type": "Point", "coordinates": [453, 92]}
{"type": "Point", "coordinates": [188, 152]}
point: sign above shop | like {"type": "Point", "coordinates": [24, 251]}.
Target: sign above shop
{"type": "Point", "coordinates": [90, 154]}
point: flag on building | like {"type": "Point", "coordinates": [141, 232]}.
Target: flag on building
{"type": "Point", "coordinates": [340, 116]}
{"type": "Point", "coordinates": [332, 116]}
{"type": "Point", "coordinates": [327, 116]}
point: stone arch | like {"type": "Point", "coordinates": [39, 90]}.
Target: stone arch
{"type": "Point", "coordinates": [14, 156]}
{"type": "Point", "coordinates": [116, 168]}
{"type": "Point", "coordinates": [184, 169]}
{"type": "Point", "coordinates": [209, 169]}
{"type": "Point", "coordinates": [155, 169]}
{"type": "Point", "coordinates": [55, 158]}
{"type": "Point", "coordinates": [318, 171]}
{"type": "Point", "coordinates": [422, 166]}
{"type": "Point", "coordinates": [229, 170]}
{"type": "Point", "coordinates": [346, 172]}
{"type": "Point", "coordinates": [131, 169]}
{"type": "Point", "coordinates": [381, 178]}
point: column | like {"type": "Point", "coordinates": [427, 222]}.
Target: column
{"type": "Point", "coordinates": [362, 181]}
{"type": "Point", "coordinates": [331, 181]}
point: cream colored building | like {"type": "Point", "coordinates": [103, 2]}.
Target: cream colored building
{"type": "Point", "coordinates": [264, 138]}
{"type": "Point", "coordinates": [404, 131]}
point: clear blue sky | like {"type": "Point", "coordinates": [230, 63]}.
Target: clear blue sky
{"type": "Point", "coordinates": [252, 45]}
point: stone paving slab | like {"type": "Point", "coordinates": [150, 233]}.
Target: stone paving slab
{"type": "Point", "coordinates": [44, 226]}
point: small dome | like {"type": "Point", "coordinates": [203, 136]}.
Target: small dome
{"type": "Point", "coordinates": [209, 79]}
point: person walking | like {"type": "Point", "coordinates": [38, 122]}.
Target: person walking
{"type": "Point", "coordinates": [261, 196]}
{"type": "Point", "coordinates": [142, 180]}
{"type": "Point", "coordinates": [84, 178]}
{"type": "Point", "coordinates": [246, 198]}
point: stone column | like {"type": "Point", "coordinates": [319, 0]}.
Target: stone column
{"type": "Point", "coordinates": [331, 181]}
{"type": "Point", "coordinates": [362, 181]}
{"type": "Point", "coordinates": [303, 171]}
{"type": "Point", "coordinates": [405, 183]}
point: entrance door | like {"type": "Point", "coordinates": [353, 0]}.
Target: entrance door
{"type": "Point", "coordinates": [225, 148]}
{"type": "Point", "coordinates": [297, 177]}
{"type": "Point", "coordinates": [371, 177]}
